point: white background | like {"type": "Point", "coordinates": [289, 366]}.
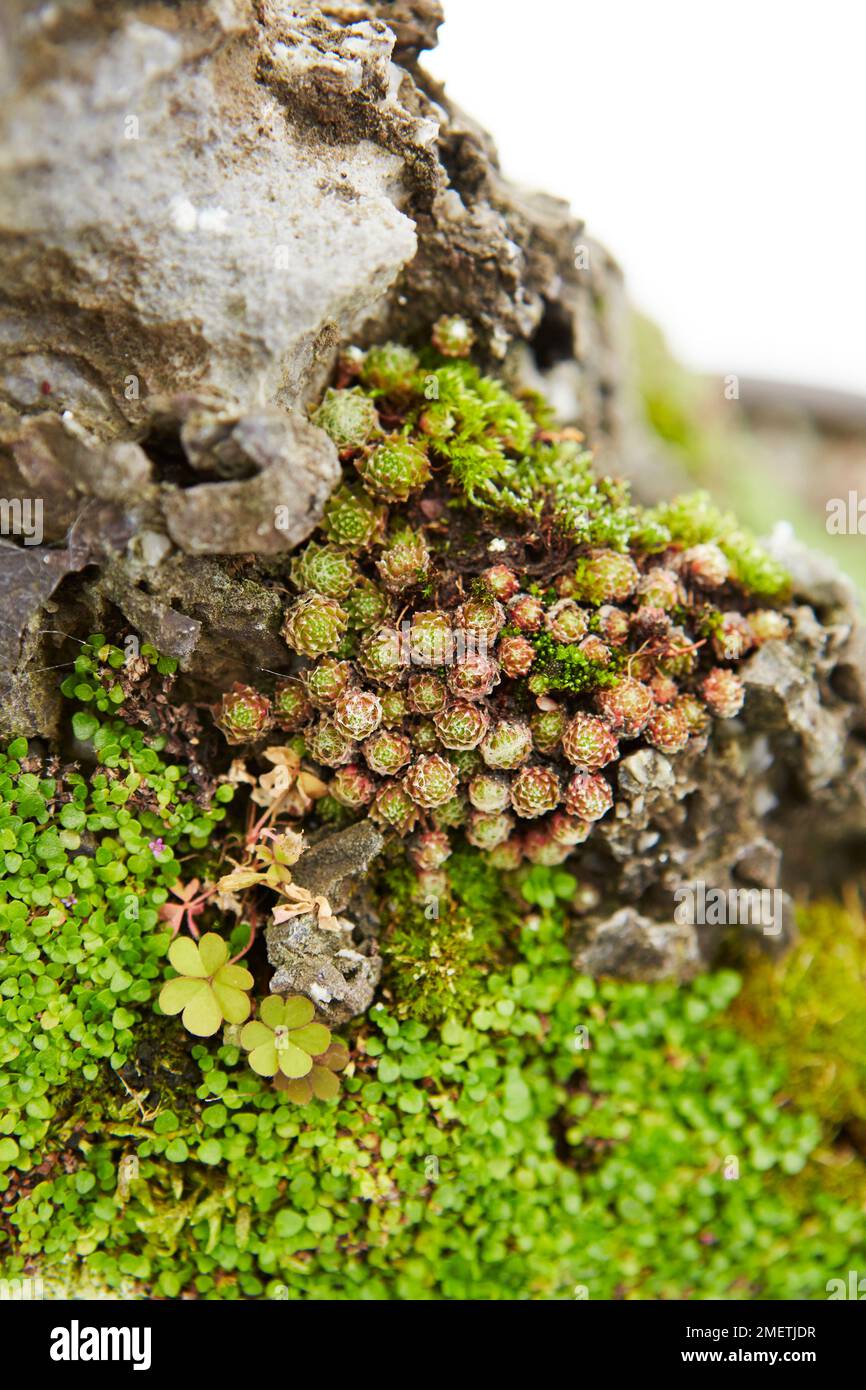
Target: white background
{"type": "Point", "coordinates": [718, 149]}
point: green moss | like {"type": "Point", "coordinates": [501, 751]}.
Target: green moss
{"type": "Point", "coordinates": [695, 519]}
{"type": "Point", "coordinates": [563, 667]}
{"type": "Point", "coordinates": [438, 944]}
{"type": "Point", "coordinates": [810, 1008]}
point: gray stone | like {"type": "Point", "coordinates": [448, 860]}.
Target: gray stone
{"type": "Point", "coordinates": [335, 866]}
{"type": "Point", "coordinates": [633, 947]}
{"type": "Point", "coordinates": [295, 468]}
{"type": "Point", "coordinates": [326, 966]}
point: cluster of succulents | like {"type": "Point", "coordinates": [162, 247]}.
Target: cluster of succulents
{"type": "Point", "coordinates": [439, 697]}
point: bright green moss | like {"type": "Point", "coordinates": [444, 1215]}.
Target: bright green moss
{"type": "Point", "coordinates": [562, 667]}
{"type": "Point", "coordinates": [695, 519]}
{"type": "Point", "coordinates": [809, 1008]}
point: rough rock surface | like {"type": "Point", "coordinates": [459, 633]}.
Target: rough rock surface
{"type": "Point", "coordinates": [198, 205]}
{"type": "Point", "coordinates": [327, 966]}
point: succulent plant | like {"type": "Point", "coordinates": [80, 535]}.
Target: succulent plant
{"type": "Point", "coordinates": [594, 649]}
{"type": "Point", "coordinates": [462, 725]}
{"type": "Point", "coordinates": [383, 656]}
{"type": "Point", "coordinates": [427, 693]}
{"type": "Point", "coordinates": [605, 576]}
{"type": "Point", "coordinates": [209, 991]}
{"type": "Point", "coordinates": [451, 814]}
{"type": "Point", "coordinates": [431, 638]}
{"type": "Point", "coordinates": [668, 729]}
{"type": "Point", "coordinates": [468, 762]}
{"type": "Point", "coordinates": [352, 786]}
{"type": "Point", "coordinates": [694, 712]}
{"type": "Point", "coordinates": [393, 470]}
{"type": "Point", "coordinates": [435, 673]}
{"type": "Point", "coordinates": [453, 336]}
{"type": "Point", "coordinates": [325, 682]}
{"type": "Point", "coordinates": [733, 637]}
{"type": "Point", "coordinates": [501, 581]}
{"type": "Point", "coordinates": [367, 605]}
{"type": "Point", "coordinates": [284, 1038]}
{"type": "Point", "coordinates": [767, 625]}
{"type": "Point", "coordinates": [386, 752]}
{"type": "Point", "coordinates": [352, 518]}
{"type": "Point", "coordinates": [626, 708]}
{"type": "Point", "coordinates": [489, 792]}
{"type": "Point", "coordinates": [358, 714]}
{"type": "Point", "coordinates": [588, 743]}
{"type": "Point", "coordinates": [508, 855]}
{"type": "Point", "coordinates": [535, 791]}
{"type": "Point", "coordinates": [404, 560]}
{"type": "Point", "coordinates": [613, 624]}
{"type": "Point", "coordinates": [526, 612]}
{"type": "Point", "coordinates": [723, 692]}
{"type": "Point", "coordinates": [243, 714]}
{"type": "Point", "coordinates": [567, 621]}
{"type": "Point", "coordinates": [430, 850]}
{"type": "Point", "coordinates": [395, 707]}
{"type": "Point", "coordinates": [659, 588]}
{"type": "Point", "coordinates": [507, 745]}
{"type": "Point", "coordinates": [328, 745]}
{"type": "Point", "coordinates": [547, 727]}
{"type": "Point", "coordinates": [566, 829]}
{"type": "Point", "coordinates": [431, 781]}
{"type": "Point", "coordinates": [704, 565]}
{"type": "Point", "coordinates": [487, 831]}
{"type": "Point", "coordinates": [315, 625]}
{"type": "Point", "coordinates": [588, 796]}
{"type": "Point", "coordinates": [326, 569]}
{"type": "Point", "coordinates": [291, 707]}
{"type": "Point", "coordinates": [516, 655]}
{"type": "Point", "coordinates": [540, 848]}
{"type": "Point", "coordinates": [349, 417]}
{"type": "Point", "coordinates": [394, 808]}
{"type": "Point", "coordinates": [390, 370]}
{"type": "Point", "coordinates": [473, 676]}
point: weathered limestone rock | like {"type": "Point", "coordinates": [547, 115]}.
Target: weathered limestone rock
{"type": "Point", "coordinates": [327, 966]}
{"type": "Point", "coordinates": [339, 969]}
{"type": "Point", "coordinates": [198, 205]}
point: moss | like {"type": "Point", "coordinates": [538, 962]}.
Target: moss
{"type": "Point", "coordinates": [564, 668]}
{"type": "Point", "coordinates": [438, 943]}
{"type": "Point", "coordinates": [695, 519]}
{"type": "Point", "coordinates": [809, 1008]}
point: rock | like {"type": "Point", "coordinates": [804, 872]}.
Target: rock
{"type": "Point", "coordinates": [295, 469]}
{"type": "Point", "coordinates": [337, 969]}
{"type": "Point", "coordinates": [324, 965]}
{"type": "Point", "coordinates": [632, 947]}
{"type": "Point", "coordinates": [199, 204]}
{"type": "Point", "coordinates": [644, 771]}
{"type": "Point", "coordinates": [334, 867]}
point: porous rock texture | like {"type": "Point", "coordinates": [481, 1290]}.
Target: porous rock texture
{"type": "Point", "coordinates": [199, 204]}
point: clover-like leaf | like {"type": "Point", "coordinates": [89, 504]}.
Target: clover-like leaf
{"type": "Point", "coordinates": [208, 990]}
{"type": "Point", "coordinates": [320, 1081]}
{"type": "Point", "coordinates": [284, 1040]}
